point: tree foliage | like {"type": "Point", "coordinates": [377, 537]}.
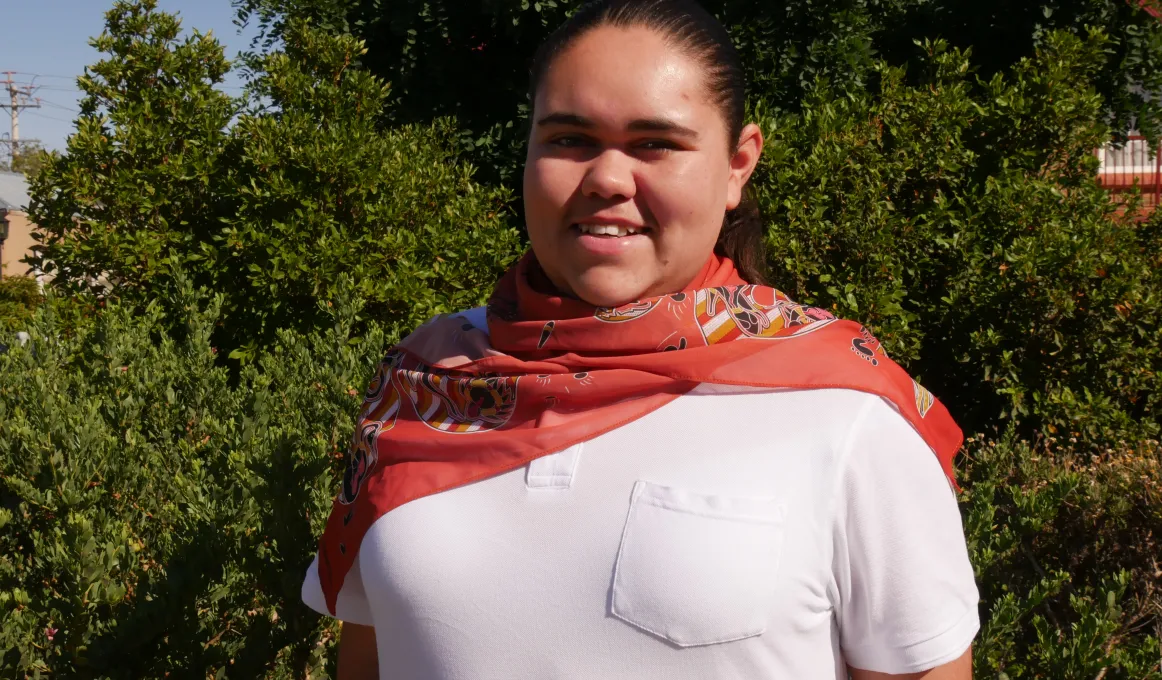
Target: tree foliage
{"type": "Point", "coordinates": [132, 192]}
{"type": "Point", "coordinates": [270, 210]}
{"type": "Point", "coordinates": [26, 157]}
{"type": "Point", "coordinates": [962, 221]}
{"type": "Point", "coordinates": [471, 60]}
{"type": "Point", "coordinates": [19, 297]}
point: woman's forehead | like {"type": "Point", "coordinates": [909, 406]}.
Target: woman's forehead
{"type": "Point", "coordinates": [613, 76]}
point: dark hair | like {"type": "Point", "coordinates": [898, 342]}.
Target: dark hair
{"type": "Point", "coordinates": [690, 27]}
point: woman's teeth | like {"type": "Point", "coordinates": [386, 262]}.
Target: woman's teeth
{"type": "Point", "coordinates": [608, 229]}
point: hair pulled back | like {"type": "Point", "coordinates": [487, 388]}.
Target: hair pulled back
{"type": "Point", "coordinates": [689, 27]}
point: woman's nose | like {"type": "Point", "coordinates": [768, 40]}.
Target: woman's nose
{"type": "Point", "coordinates": [610, 176]}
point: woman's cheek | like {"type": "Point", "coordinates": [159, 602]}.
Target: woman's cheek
{"type": "Point", "coordinates": [699, 191]}
{"type": "Point", "coordinates": [541, 206]}
{"type": "Point", "coordinates": [556, 181]}
{"type": "Point", "coordinates": [670, 195]}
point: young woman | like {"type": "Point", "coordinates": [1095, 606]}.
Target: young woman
{"type": "Point", "coordinates": [635, 463]}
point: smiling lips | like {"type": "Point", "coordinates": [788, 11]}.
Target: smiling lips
{"type": "Point", "coordinates": [610, 240]}
{"type": "Point", "coordinates": [615, 230]}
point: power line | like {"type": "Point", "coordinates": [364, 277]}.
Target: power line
{"type": "Point", "coordinates": [40, 75]}
{"type": "Point", "coordinates": [38, 114]}
{"type": "Point", "coordinates": [61, 88]}
{"type": "Point", "coordinates": [53, 88]}
{"type": "Point", "coordinates": [62, 107]}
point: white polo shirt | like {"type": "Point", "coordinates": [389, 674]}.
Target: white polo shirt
{"type": "Point", "coordinates": [733, 533]}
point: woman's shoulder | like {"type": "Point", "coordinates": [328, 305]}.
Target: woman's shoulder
{"type": "Point", "coordinates": [477, 316]}
{"type": "Point", "coordinates": [865, 435]}
{"type": "Point", "coordinates": [838, 408]}
{"type": "Point", "coordinates": [448, 340]}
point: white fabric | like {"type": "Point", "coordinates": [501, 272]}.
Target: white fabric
{"type": "Point", "coordinates": [730, 534]}
{"type": "Point", "coordinates": [555, 471]}
{"type": "Point", "coordinates": [477, 316]}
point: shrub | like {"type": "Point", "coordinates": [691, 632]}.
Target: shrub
{"type": "Point", "coordinates": [19, 297]}
{"type": "Point", "coordinates": [962, 221]}
{"type": "Point", "coordinates": [156, 519]}
{"type": "Point", "coordinates": [1065, 548]}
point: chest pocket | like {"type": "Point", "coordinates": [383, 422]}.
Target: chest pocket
{"type": "Point", "coordinates": [696, 568]}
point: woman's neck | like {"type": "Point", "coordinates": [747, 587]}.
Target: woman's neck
{"type": "Point", "coordinates": [540, 282]}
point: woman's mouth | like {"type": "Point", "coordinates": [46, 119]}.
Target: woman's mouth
{"type": "Point", "coordinates": [610, 230]}
{"type": "Point", "coordinates": [606, 240]}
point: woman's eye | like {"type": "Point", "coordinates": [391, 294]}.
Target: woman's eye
{"type": "Point", "coordinates": [658, 145]}
{"type": "Point", "coordinates": [568, 141]}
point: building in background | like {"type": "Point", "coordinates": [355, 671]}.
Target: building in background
{"type": "Point", "coordinates": [1136, 164]}
{"type": "Point", "coordinates": [15, 229]}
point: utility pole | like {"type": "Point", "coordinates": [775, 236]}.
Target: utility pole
{"type": "Point", "coordinates": [19, 98]}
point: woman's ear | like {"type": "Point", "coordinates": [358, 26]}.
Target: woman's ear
{"type": "Point", "coordinates": [743, 162]}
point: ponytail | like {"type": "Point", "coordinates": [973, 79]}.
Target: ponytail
{"type": "Point", "coordinates": [743, 239]}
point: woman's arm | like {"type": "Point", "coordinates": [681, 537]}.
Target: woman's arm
{"type": "Point", "coordinates": [960, 669]}
{"type": "Point", "coordinates": [358, 656]}
{"type": "Point", "coordinates": [905, 595]}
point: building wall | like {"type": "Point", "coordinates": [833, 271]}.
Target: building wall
{"type": "Point", "coordinates": [18, 246]}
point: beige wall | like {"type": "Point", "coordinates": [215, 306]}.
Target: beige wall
{"type": "Point", "coordinates": [18, 245]}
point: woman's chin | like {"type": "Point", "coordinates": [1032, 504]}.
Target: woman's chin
{"type": "Point", "coordinates": [610, 289]}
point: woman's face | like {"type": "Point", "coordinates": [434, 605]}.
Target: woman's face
{"type": "Point", "coordinates": [629, 170]}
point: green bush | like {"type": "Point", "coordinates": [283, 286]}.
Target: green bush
{"type": "Point", "coordinates": [156, 517]}
{"type": "Point", "coordinates": [19, 297]}
{"type": "Point", "coordinates": [962, 221]}
{"type": "Point", "coordinates": [1064, 544]}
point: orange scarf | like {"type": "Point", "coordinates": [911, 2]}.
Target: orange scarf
{"type": "Point", "coordinates": [452, 404]}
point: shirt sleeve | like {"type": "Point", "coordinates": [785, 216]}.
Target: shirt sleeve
{"type": "Point", "coordinates": [907, 598]}
{"type": "Point", "coordinates": [352, 602]}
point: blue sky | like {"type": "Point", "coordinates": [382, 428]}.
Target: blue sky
{"type": "Point", "coordinates": [50, 39]}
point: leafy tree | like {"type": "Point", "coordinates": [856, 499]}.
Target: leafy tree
{"type": "Point", "coordinates": [27, 157]}
{"type": "Point", "coordinates": [304, 186]}
{"type": "Point", "coordinates": [471, 60]}
{"type": "Point", "coordinates": [322, 190]}
{"type": "Point", "coordinates": [963, 222]}
{"type": "Point", "coordinates": [137, 190]}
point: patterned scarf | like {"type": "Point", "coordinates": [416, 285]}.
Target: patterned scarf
{"type": "Point", "coordinates": [452, 404]}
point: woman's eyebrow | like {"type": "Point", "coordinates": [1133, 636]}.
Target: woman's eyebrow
{"type": "Point", "coordinates": [570, 119]}
{"type": "Point", "coordinates": [639, 125]}
{"type": "Point", "coordinates": [662, 125]}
